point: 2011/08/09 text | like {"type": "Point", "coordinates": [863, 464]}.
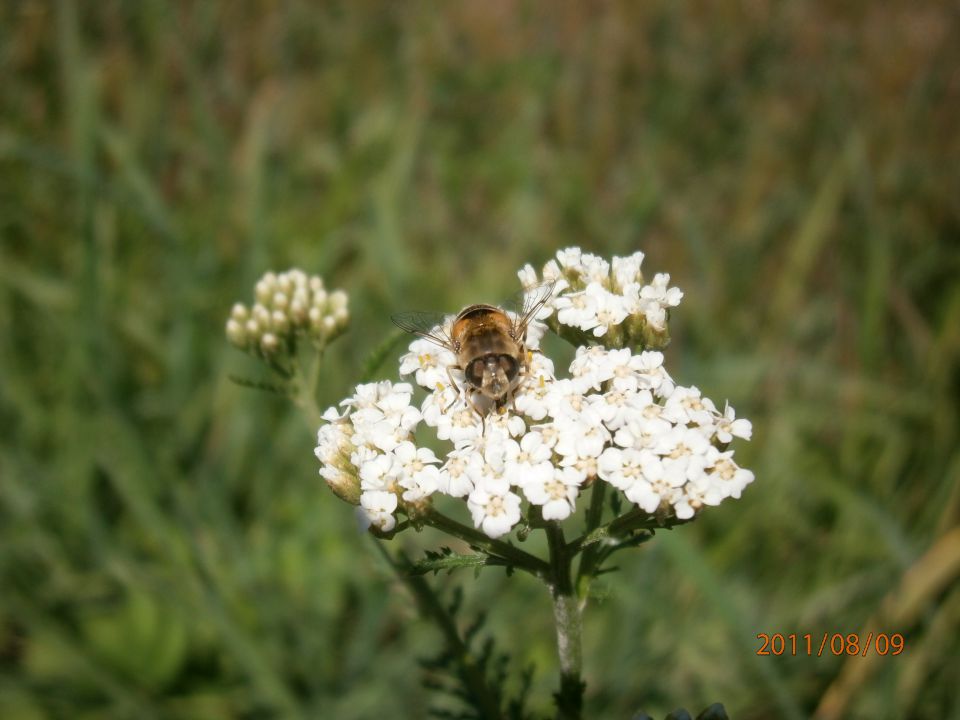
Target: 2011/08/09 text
{"type": "Point", "coordinates": [831, 643]}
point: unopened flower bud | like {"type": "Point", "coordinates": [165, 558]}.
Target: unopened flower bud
{"type": "Point", "coordinates": [269, 343]}
{"type": "Point", "coordinates": [338, 299]}
{"type": "Point", "coordinates": [236, 332]}
{"type": "Point", "coordinates": [261, 314]}
{"type": "Point", "coordinates": [344, 485]}
{"type": "Point", "coordinates": [280, 300]}
{"type": "Point", "coordinates": [239, 312]}
{"type": "Point", "coordinates": [264, 288]}
{"type": "Point", "coordinates": [316, 283]}
{"type": "Point", "coordinates": [320, 298]}
{"type": "Point", "coordinates": [316, 318]}
{"type": "Point", "coordinates": [297, 311]}
{"type": "Point", "coordinates": [298, 277]}
{"type": "Point", "coordinates": [279, 321]}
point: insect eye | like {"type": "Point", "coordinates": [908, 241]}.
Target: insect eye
{"type": "Point", "coordinates": [509, 366]}
{"type": "Point", "coordinates": [474, 372]}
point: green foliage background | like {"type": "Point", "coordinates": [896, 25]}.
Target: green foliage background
{"type": "Point", "coordinates": [167, 549]}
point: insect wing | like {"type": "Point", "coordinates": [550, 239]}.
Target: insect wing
{"type": "Point", "coordinates": [530, 301]}
{"type": "Point", "coordinates": [428, 325]}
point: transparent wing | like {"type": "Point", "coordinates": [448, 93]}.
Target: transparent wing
{"type": "Point", "coordinates": [528, 303]}
{"type": "Point", "coordinates": [428, 325]}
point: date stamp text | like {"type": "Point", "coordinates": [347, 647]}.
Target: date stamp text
{"type": "Point", "coordinates": [831, 644]}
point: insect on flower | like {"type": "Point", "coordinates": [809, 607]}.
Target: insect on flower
{"type": "Point", "coordinates": [488, 343]}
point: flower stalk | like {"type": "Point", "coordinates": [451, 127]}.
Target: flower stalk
{"type": "Point", "coordinates": [305, 387]}
{"type": "Point", "coordinates": [567, 618]}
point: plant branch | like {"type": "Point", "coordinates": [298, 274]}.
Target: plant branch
{"type": "Point", "coordinates": [510, 553]}
{"type": "Point", "coordinates": [632, 520]}
{"type": "Point", "coordinates": [486, 699]}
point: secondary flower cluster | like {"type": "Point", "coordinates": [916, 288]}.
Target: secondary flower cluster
{"type": "Point", "coordinates": [606, 300]}
{"type": "Point", "coordinates": [618, 418]}
{"type": "Point", "coordinates": [287, 304]}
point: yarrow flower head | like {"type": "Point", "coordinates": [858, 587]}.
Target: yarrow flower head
{"type": "Point", "coordinates": [607, 302]}
{"type": "Point", "coordinates": [289, 306]}
{"type": "Point", "coordinates": [617, 418]}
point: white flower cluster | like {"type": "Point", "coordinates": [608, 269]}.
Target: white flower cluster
{"type": "Point", "coordinates": [606, 298]}
{"type": "Point", "coordinates": [618, 418]}
{"type": "Point", "coordinates": [287, 304]}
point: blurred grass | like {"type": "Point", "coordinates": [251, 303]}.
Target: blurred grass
{"type": "Point", "coordinates": [167, 549]}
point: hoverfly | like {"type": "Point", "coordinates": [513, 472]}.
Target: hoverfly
{"type": "Point", "coordinates": [489, 345]}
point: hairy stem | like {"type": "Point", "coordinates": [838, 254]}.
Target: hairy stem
{"type": "Point", "coordinates": [567, 617]}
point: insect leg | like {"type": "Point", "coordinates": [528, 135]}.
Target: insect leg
{"type": "Point", "coordinates": [456, 387]}
{"type": "Point", "coordinates": [523, 378]}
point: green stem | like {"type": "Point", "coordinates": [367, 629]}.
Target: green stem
{"type": "Point", "coordinates": [486, 700]}
{"type": "Point", "coordinates": [588, 562]}
{"type": "Point", "coordinates": [512, 554]}
{"type": "Point", "coordinates": [567, 617]}
{"type": "Point", "coordinates": [632, 520]}
{"type": "Point", "coordinates": [306, 388]}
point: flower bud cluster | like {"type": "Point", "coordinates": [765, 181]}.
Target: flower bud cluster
{"type": "Point", "coordinates": [288, 305]}
{"type": "Point", "coordinates": [605, 301]}
{"type": "Point", "coordinates": [618, 418]}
